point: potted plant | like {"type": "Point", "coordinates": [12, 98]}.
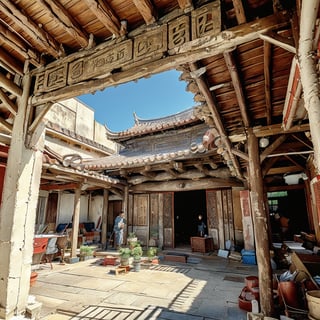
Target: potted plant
{"type": "Point", "coordinates": [125, 254]}
{"type": "Point", "coordinates": [132, 240]}
{"type": "Point", "coordinates": [152, 254]}
{"type": "Point", "coordinates": [85, 253]}
{"type": "Point", "coordinates": [136, 253]}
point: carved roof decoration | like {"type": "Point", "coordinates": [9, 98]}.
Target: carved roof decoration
{"type": "Point", "coordinates": [151, 126]}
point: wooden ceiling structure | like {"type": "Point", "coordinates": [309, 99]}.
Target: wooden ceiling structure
{"type": "Point", "coordinates": [237, 58]}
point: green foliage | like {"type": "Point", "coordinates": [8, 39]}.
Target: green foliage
{"type": "Point", "coordinates": [152, 252]}
{"type": "Point", "coordinates": [131, 235]}
{"type": "Point", "coordinates": [86, 251]}
{"type": "Point", "coordinates": [136, 252]}
{"type": "Point", "coordinates": [125, 253]}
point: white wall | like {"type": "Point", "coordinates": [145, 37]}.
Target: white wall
{"type": "Point", "coordinates": [66, 207]}
{"type": "Point", "coordinates": [96, 207]}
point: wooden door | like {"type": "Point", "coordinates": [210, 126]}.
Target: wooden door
{"type": "Point", "coordinates": [220, 217]}
{"type": "Point", "coordinates": [168, 232]}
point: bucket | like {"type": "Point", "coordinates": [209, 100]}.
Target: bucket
{"type": "Point", "coordinates": [252, 282]}
{"type": "Point", "coordinates": [313, 299]}
{"type": "Point", "coordinates": [289, 292]}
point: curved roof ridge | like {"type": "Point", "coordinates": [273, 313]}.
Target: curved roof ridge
{"type": "Point", "coordinates": [147, 126]}
{"type": "Point", "coordinates": [184, 113]}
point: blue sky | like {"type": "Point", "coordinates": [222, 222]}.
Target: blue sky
{"type": "Point", "coordinates": [155, 97]}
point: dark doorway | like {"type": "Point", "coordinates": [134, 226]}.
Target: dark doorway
{"type": "Point", "coordinates": [187, 206]}
{"type": "Point", "coordinates": [290, 206]}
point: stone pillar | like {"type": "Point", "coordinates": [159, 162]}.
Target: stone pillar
{"type": "Point", "coordinates": [18, 211]}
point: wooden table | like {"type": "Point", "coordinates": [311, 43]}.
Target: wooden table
{"type": "Point", "coordinates": [201, 244]}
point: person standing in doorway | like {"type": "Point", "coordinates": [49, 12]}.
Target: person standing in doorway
{"type": "Point", "coordinates": [201, 226]}
{"type": "Point", "coordinates": [118, 227]}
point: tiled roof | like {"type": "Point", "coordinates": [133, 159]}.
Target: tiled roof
{"type": "Point", "coordinates": [136, 159]}
{"type": "Point", "coordinates": [144, 127]}
{"type": "Point", "coordinates": [53, 161]}
{"type": "Point", "coordinates": [71, 134]}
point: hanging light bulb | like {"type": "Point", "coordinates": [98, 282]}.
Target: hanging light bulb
{"type": "Point", "coordinates": [263, 142]}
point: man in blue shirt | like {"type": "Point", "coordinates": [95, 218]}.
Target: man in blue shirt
{"type": "Point", "coordinates": [118, 227]}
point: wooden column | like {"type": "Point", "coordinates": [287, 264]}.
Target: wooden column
{"type": "Point", "coordinates": [260, 226]}
{"type": "Point", "coordinates": [18, 211]}
{"type": "Point", "coordinates": [75, 222]}
{"type": "Point", "coordinates": [104, 225]}
{"type": "Point", "coordinates": [125, 203]}
{"type": "Point", "coordinates": [308, 71]}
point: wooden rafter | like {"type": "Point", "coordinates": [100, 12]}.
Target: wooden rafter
{"type": "Point", "coordinates": [299, 166]}
{"type": "Point", "coordinates": [232, 67]}
{"type": "Point", "coordinates": [10, 86]}
{"type": "Point", "coordinates": [147, 10]}
{"type": "Point", "coordinates": [9, 63]}
{"type": "Point", "coordinates": [239, 11]}
{"type": "Point", "coordinates": [212, 104]}
{"type": "Point", "coordinates": [8, 103]}
{"type": "Point", "coordinates": [105, 14]}
{"type": "Point", "coordinates": [16, 43]}
{"type": "Point", "coordinates": [37, 34]}
{"type": "Point", "coordinates": [5, 124]}
{"type": "Point", "coordinates": [267, 79]}
{"type": "Point", "coordinates": [61, 17]}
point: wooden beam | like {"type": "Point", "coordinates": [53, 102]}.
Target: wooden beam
{"type": "Point", "coordinates": [60, 16]}
{"type": "Point", "coordinates": [279, 41]}
{"type": "Point", "coordinates": [267, 59]}
{"type": "Point", "coordinates": [178, 166]}
{"type": "Point", "coordinates": [298, 165]}
{"type": "Point", "coordinates": [37, 34]}
{"type": "Point", "coordinates": [239, 10]}
{"type": "Point", "coordinates": [8, 103]}
{"type": "Point", "coordinates": [57, 186]}
{"type": "Point", "coordinates": [10, 86]}
{"type": "Point", "coordinates": [5, 124]}
{"type": "Point", "coordinates": [282, 170]}
{"type": "Point", "coordinates": [232, 67]}
{"type": "Point", "coordinates": [185, 185]}
{"type": "Point", "coordinates": [212, 104]}
{"type": "Point", "coordinates": [39, 118]}
{"type": "Point", "coordinates": [272, 147]}
{"type": "Point", "coordinates": [103, 11]}
{"type": "Point", "coordinates": [240, 154]}
{"type": "Point", "coordinates": [170, 174]}
{"type": "Point", "coordinates": [147, 10]}
{"type": "Point", "coordinates": [266, 131]}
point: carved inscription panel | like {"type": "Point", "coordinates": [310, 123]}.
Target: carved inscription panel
{"type": "Point", "coordinates": [151, 45]}
{"type": "Point", "coordinates": [101, 62]}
